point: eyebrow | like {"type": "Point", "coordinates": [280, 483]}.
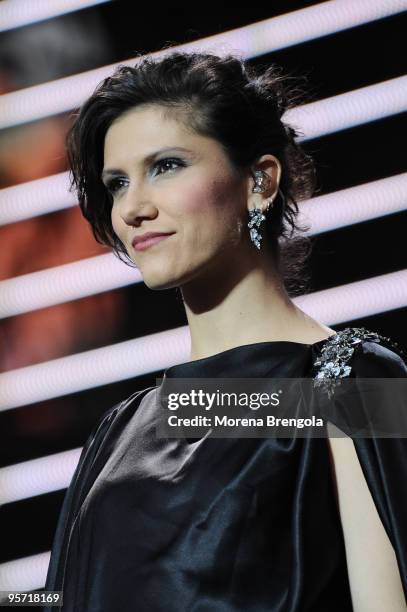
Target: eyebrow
{"type": "Point", "coordinates": [116, 171]}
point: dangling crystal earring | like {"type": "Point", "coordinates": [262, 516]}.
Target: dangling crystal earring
{"type": "Point", "coordinates": [256, 215]}
{"type": "Point", "coordinates": [256, 218]}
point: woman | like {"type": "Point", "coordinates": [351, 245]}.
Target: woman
{"type": "Point", "coordinates": [192, 147]}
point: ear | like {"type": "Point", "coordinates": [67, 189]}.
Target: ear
{"type": "Point", "coordinates": [271, 166]}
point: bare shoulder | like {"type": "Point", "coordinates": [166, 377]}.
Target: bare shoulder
{"type": "Point", "coordinates": [374, 576]}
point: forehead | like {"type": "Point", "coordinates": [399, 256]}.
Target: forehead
{"type": "Point", "coordinates": [145, 128]}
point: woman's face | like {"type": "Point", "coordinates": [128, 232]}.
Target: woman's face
{"type": "Point", "coordinates": [189, 190]}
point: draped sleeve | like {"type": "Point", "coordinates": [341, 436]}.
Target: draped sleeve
{"type": "Point", "coordinates": [94, 454]}
{"type": "Point", "coordinates": [383, 459]}
{"type": "Point", "coordinates": [72, 497]}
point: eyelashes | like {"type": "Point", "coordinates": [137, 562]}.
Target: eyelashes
{"type": "Point", "coordinates": [171, 160]}
{"type": "Point", "coordinates": [115, 184]}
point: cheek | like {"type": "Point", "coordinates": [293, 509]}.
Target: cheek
{"type": "Point", "coordinates": [114, 218]}
{"type": "Point", "coordinates": [119, 228]}
{"type": "Point", "coordinates": [113, 221]}
{"type": "Point", "coordinates": [210, 207]}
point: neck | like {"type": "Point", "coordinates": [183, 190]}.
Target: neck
{"type": "Point", "coordinates": [237, 305]}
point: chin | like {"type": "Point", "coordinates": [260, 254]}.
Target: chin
{"type": "Point", "coordinates": [159, 281]}
{"type": "Point", "coordinates": [157, 286]}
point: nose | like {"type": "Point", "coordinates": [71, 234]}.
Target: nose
{"type": "Point", "coordinates": [136, 206]}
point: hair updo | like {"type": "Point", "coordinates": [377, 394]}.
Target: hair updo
{"type": "Point", "coordinates": [222, 97]}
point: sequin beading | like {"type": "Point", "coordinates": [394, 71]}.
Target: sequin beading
{"type": "Point", "coordinates": [332, 363]}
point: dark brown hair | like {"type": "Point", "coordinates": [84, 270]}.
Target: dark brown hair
{"type": "Point", "coordinates": [223, 97]}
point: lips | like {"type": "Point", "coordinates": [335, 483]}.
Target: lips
{"type": "Point", "coordinates": [140, 243]}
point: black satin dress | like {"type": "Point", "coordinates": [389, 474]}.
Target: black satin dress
{"type": "Point", "coordinates": [215, 524]}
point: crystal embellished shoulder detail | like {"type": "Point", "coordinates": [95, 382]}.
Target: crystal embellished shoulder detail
{"type": "Point", "coordinates": [332, 362]}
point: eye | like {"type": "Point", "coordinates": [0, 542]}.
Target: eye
{"type": "Point", "coordinates": [114, 185]}
{"type": "Point", "coordinates": [168, 161]}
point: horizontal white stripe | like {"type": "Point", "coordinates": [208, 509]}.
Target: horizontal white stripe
{"type": "Point", "coordinates": [356, 300]}
{"type": "Point", "coordinates": [93, 368]}
{"type": "Point", "coordinates": [355, 204]}
{"type": "Point", "coordinates": [64, 283]}
{"type": "Point", "coordinates": [256, 39]}
{"type": "Point", "coordinates": [37, 476]}
{"type": "Point", "coordinates": [349, 109]}
{"type": "Point", "coordinates": [158, 351]}
{"type": "Point", "coordinates": [34, 198]}
{"type": "Point", "coordinates": [94, 275]}
{"type": "Point", "coordinates": [25, 574]}
{"type": "Point", "coordinates": [18, 13]}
